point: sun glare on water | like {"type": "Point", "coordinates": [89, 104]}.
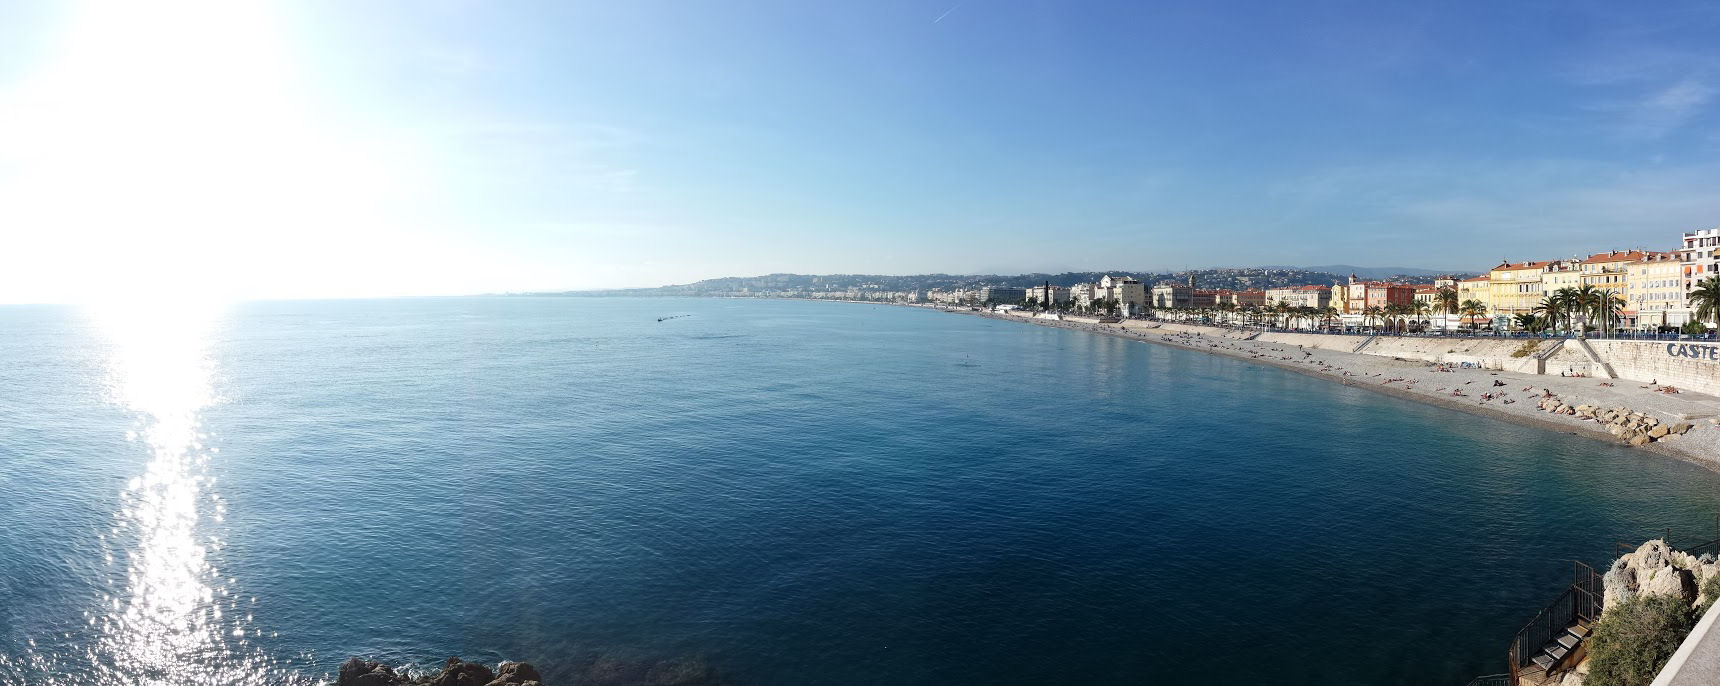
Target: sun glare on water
{"type": "Point", "coordinates": [170, 616]}
{"type": "Point", "coordinates": [165, 159]}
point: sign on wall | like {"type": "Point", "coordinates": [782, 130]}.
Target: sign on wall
{"type": "Point", "coordinates": [1693, 351]}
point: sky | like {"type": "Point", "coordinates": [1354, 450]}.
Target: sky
{"type": "Point", "coordinates": [327, 148]}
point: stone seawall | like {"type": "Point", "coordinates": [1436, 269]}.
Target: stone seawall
{"type": "Point", "coordinates": [1686, 365]}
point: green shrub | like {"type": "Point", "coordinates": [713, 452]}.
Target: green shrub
{"type": "Point", "coordinates": [1710, 589]}
{"type": "Point", "coordinates": [1634, 640]}
{"type": "Point", "coordinates": [1526, 349]}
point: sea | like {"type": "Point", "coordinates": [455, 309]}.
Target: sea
{"type": "Point", "coordinates": [748, 491]}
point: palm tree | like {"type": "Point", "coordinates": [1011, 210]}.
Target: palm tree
{"type": "Point", "coordinates": [1569, 302]}
{"type": "Point", "coordinates": [1472, 309]}
{"type": "Point", "coordinates": [1371, 313]}
{"type": "Point", "coordinates": [1608, 307]}
{"type": "Point", "coordinates": [1586, 303]}
{"type": "Point", "coordinates": [1551, 309]}
{"type": "Point", "coordinates": [1421, 309]}
{"type": "Point", "coordinates": [1705, 298]}
{"type": "Point", "coordinates": [1526, 321]}
{"type": "Point", "coordinates": [1445, 300]}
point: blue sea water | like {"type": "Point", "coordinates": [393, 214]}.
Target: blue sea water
{"type": "Point", "coordinates": [782, 492]}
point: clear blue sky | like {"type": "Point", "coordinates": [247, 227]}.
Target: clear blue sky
{"type": "Point", "coordinates": [478, 146]}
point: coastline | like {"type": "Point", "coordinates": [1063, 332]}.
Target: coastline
{"type": "Point", "coordinates": [1410, 379]}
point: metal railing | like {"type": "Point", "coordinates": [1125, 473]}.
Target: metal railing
{"type": "Point", "coordinates": [1579, 603]}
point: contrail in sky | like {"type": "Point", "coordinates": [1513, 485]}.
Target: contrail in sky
{"type": "Point", "coordinates": [946, 13]}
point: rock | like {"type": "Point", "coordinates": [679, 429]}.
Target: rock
{"type": "Point", "coordinates": [1650, 421]}
{"type": "Point", "coordinates": [457, 673]}
{"type": "Point", "coordinates": [1680, 428]}
{"type": "Point", "coordinates": [1639, 439]}
{"type": "Point", "coordinates": [1657, 432]}
{"type": "Point", "coordinates": [1586, 410]}
{"type": "Point", "coordinates": [1651, 554]}
{"type": "Point", "coordinates": [509, 673]}
{"type": "Point", "coordinates": [356, 672]}
{"type": "Point", "coordinates": [1670, 581]}
{"type": "Point", "coordinates": [1615, 430]}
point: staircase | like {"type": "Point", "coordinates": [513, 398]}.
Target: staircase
{"type": "Point", "coordinates": [1595, 359]}
{"type": "Point", "coordinates": [1542, 356]}
{"type": "Point", "coordinates": [1365, 343]}
{"type": "Point", "coordinates": [1559, 647]}
{"type": "Point", "coordinates": [1549, 640]}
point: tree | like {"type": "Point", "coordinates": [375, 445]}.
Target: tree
{"type": "Point", "coordinates": [1705, 298]}
{"type": "Point", "coordinates": [1608, 308]}
{"type": "Point", "coordinates": [1551, 309]}
{"type": "Point", "coordinates": [1526, 321]}
{"type": "Point", "coordinates": [1569, 303]}
{"type": "Point", "coordinates": [1472, 309]}
{"type": "Point", "coordinates": [1586, 303]}
{"type": "Point", "coordinates": [1445, 299]}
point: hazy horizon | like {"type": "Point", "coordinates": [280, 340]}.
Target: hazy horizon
{"type": "Point", "coordinates": [329, 149]}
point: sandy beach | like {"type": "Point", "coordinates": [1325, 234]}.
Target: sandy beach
{"type": "Point", "coordinates": [1510, 396]}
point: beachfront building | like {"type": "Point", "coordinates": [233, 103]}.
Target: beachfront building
{"type": "Point", "coordinates": [1082, 295]}
{"type": "Point", "coordinates": [1172, 296]}
{"type": "Point", "coordinates": [1357, 295]}
{"type": "Point", "coordinates": [1318, 297]}
{"type": "Point", "coordinates": [1700, 257]}
{"type": "Point", "coordinates": [1561, 274]}
{"type": "Point", "coordinates": [1199, 299]}
{"type": "Point", "coordinates": [1009, 295]}
{"type": "Point", "coordinates": [1048, 294]}
{"type": "Point", "coordinates": [1515, 287]}
{"type": "Point", "coordinates": [1608, 270]}
{"type": "Point", "coordinates": [1654, 292]}
{"type": "Point", "coordinates": [1130, 294]}
{"type": "Point", "coordinates": [1239, 299]}
{"type": "Point", "coordinates": [1382, 294]}
{"type": "Point", "coordinates": [1478, 289]}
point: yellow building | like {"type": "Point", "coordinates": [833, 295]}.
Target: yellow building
{"type": "Point", "coordinates": [1561, 274]}
{"type": "Point", "coordinates": [1609, 270]}
{"type": "Point", "coordinates": [1516, 287]}
{"type": "Point", "coordinates": [1654, 292]}
{"type": "Point", "coordinates": [1477, 289]}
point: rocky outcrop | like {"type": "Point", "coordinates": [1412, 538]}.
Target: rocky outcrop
{"type": "Point", "coordinates": [454, 672]}
{"type": "Point", "coordinates": [1654, 568]}
{"type": "Point", "coordinates": [1628, 425]}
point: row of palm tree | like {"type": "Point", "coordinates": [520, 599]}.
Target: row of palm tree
{"type": "Point", "coordinates": [1563, 310]}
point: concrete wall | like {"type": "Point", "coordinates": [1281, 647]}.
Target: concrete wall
{"type": "Point", "coordinates": [1570, 358]}
{"type": "Point", "coordinates": [1696, 369]}
{"type": "Point", "coordinates": [1491, 354]}
{"type": "Point", "coordinates": [1316, 341]}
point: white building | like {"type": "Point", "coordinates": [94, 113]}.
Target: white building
{"type": "Point", "coordinates": [1701, 257]}
{"type": "Point", "coordinates": [1048, 294]}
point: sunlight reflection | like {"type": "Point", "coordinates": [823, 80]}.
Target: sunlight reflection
{"type": "Point", "coordinates": [169, 617]}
